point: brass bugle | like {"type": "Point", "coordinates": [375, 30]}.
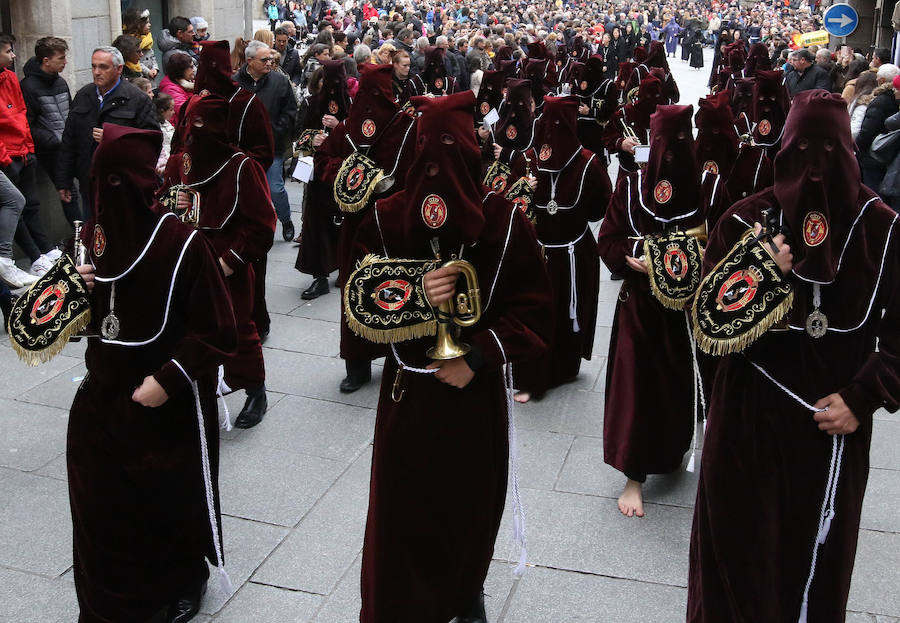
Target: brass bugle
{"type": "Point", "coordinates": [699, 232]}
{"type": "Point", "coordinates": [463, 309]}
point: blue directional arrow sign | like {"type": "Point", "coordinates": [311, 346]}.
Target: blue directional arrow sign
{"type": "Point", "coordinates": [841, 19]}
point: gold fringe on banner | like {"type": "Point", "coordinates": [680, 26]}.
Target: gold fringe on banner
{"type": "Point", "coordinates": [36, 357]}
{"type": "Point", "coordinates": [356, 199]}
{"type": "Point", "coordinates": [656, 265]}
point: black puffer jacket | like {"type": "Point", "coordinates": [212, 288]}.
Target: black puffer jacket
{"type": "Point", "coordinates": [126, 105]}
{"type": "Point", "coordinates": [882, 106]}
{"type": "Point", "coordinates": [276, 93]}
{"type": "Point", "coordinates": [48, 100]}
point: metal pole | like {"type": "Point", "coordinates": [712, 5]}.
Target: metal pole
{"type": "Point", "coordinates": [248, 19]}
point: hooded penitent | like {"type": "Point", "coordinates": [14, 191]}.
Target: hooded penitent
{"type": "Point", "coordinates": [649, 97]}
{"type": "Point", "coordinates": [758, 59]}
{"type": "Point", "coordinates": [123, 178]}
{"type": "Point", "coordinates": [556, 141]}
{"type": "Point", "coordinates": [671, 180]}
{"type": "Point", "coordinates": [334, 98]}
{"type": "Point", "coordinates": [214, 69]}
{"type": "Point", "coordinates": [444, 189]}
{"type": "Point", "coordinates": [770, 107]}
{"type": "Point", "coordinates": [742, 96]}
{"type": "Point", "coordinates": [374, 107]}
{"type": "Point", "coordinates": [515, 129]}
{"type": "Point", "coordinates": [640, 55]}
{"type": "Point", "coordinates": [490, 94]}
{"type": "Point", "coordinates": [657, 56]}
{"type": "Point", "coordinates": [574, 72]}
{"type": "Point", "coordinates": [536, 74]}
{"type": "Point", "coordinates": [817, 182]}
{"type": "Point", "coordinates": [435, 74]}
{"type": "Point", "coordinates": [717, 139]}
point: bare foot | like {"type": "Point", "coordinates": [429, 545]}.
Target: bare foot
{"type": "Point", "coordinates": [522, 397]}
{"type": "Point", "coordinates": [631, 502]}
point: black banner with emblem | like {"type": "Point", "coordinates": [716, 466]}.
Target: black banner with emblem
{"type": "Point", "coordinates": [385, 302]}
{"type": "Point", "coordinates": [356, 181]}
{"type": "Point", "coordinates": [674, 264]}
{"type": "Point", "coordinates": [55, 308]}
{"type": "Point", "coordinates": [497, 176]}
{"type": "Point", "coordinates": [522, 195]}
{"type": "Point", "coordinates": [740, 299]}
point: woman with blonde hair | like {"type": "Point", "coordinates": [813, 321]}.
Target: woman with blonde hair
{"type": "Point", "coordinates": [385, 54]}
{"type": "Point", "coordinates": [266, 36]}
{"type": "Point", "coordinates": [238, 56]}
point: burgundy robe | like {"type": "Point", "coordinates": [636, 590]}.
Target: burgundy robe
{"type": "Point", "coordinates": [765, 463]}
{"type": "Point", "coordinates": [439, 468]}
{"type": "Point", "coordinates": [650, 405]}
{"type": "Point", "coordinates": [583, 192]}
{"type": "Point", "coordinates": [136, 486]}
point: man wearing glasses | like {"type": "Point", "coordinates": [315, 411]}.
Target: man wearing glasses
{"type": "Point", "coordinates": [274, 90]}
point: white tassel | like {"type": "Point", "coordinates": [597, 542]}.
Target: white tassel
{"type": "Point", "coordinates": [518, 510]}
{"type": "Point", "coordinates": [803, 611]}
{"type": "Point", "coordinates": [222, 389]}
{"type": "Point", "coordinates": [573, 290]}
{"type": "Point", "coordinates": [826, 528]}
{"type": "Point", "coordinates": [690, 465]}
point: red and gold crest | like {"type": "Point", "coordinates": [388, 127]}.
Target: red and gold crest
{"type": "Point", "coordinates": [393, 294]}
{"type": "Point", "coordinates": [485, 108]}
{"type": "Point", "coordinates": [355, 178]}
{"type": "Point", "coordinates": [738, 290]}
{"type": "Point", "coordinates": [368, 128]}
{"type": "Point", "coordinates": [676, 262]}
{"type": "Point", "coordinates": [546, 152]}
{"type": "Point", "coordinates": [663, 191]}
{"type": "Point", "coordinates": [521, 203]}
{"type": "Point", "coordinates": [498, 184]}
{"type": "Point", "coordinates": [49, 303]}
{"type": "Point", "coordinates": [511, 132]}
{"type": "Point", "coordinates": [333, 107]}
{"type": "Point", "coordinates": [99, 241]}
{"type": "Point", "coordinates": [186, 164]}
{"type": "Point", "coordinates": [434, 211]}
{"type": "Point", "coordinates": [765, 127]}
{"type": "Point", "coordinates": [710, 166]}
{"type": "Point", "coordinates": [438, 83]}
{"type": "Point", "coordinates": [815, 229]}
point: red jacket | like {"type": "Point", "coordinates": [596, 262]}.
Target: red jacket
{"type": "Point", "coordinates": [15, 136]}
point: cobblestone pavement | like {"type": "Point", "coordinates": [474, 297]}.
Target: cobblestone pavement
{"type": "Point", "coordinates": [294, 491]}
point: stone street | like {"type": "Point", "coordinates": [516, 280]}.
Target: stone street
{"type": "Point", "coordinates": [295, 488]}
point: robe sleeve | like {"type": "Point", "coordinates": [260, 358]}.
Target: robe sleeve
{"type": "Point", "coordinates": [877, 384]}
{"type": "Point", "coordinates": [523, 328]}
{"type": "Point", "coordinates": [599, 189]}
{"type": "Point", "coordinates": [612, 240]}
{"type": "Point", "coordinates": [253, 235]}
{"type": "Point", "coordinates": [612, 133]}
{"type": "Point", "coordinates": [331, 154]}
{"type": "Point", "coordinates": [204, 308]}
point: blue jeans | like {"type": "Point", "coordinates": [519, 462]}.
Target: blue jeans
{"type": "Point", "coordinates": [275, 175]}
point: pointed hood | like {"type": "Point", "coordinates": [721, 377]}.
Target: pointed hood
{"type": "Point", "coordinates": [516, 125]}
{"type": "Point", "coordinates": [770, 107]}
{"type": "Point", "coordinates": [717, 140]}
{"type": "Point", "coordinates": [214, 69]}
{"type": "Point", "coordinates": [374, 106]}
{"type": "Point", "coordinates": [334, 98]}
{"type": "Point", "coordinates": [556, 141]}
{"type": "Point", "coordinates": [671, 180]}
{"type": "Point", "coordinates": [490, 94]}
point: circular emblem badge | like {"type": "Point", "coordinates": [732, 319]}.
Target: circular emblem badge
{"type": "Point", "coordinates": [815, 229]}
{"type": "Point", "coordinates": [393, 294]}
{"type": "Point", "coordinates": [765, 126]}
{"type": "Point", "coordinates": [368, 128]}
{"type": "Point", "coordinates": [498, 184]}
{"type": "Point", "coordinates": [710, 166]}
{"type": "Point", "coordinates": [439, 83]}
{"type": "Point", "coordinates": [333, 107]}
{"type": "Point", "coordinates": [434, 211]}
{"type": "Point", "coordinates": [355, 178]}
{"type": "Point", "coordinates": [485, 108]}
{"type": "Point", "coordinates": [676, 263]}
{"type": "Point", "coordinates": [546, 152]}
{"type": "Point", "coordinates": [99, 241]}
{"type": "Point", "coordinates": [521, 203]}
{"type": "Point", "coordinates": [738, 290]}
{"type": "Point", "coordinates": [186, 163]}
{"type": "Point", "coordinates": [511, 132]}
{"type": "Point", "coordinates": [49, 303]}
{"type": "Point", "coordinates": [663, 191]}
{"type": "Point", "coordinates": [583, 86]}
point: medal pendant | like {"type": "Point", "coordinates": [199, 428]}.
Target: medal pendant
{"type": "Point", "coordinates": [109, 328]}
{"type": "Point", "coordinates": [816, 324]}
{"type": "Point", "coordinates": [552, 207]}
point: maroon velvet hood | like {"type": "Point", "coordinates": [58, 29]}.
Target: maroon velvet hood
{"type": "Point", "coordinates": [556, 141]}
{"type": "Point", "coordinates": [657, 56]}
{"type": "Point", "coordinates": [214, 69]}
{"type": "Point", "coordinates": [518, 115]}
{"type": "Point", "coordinates": [444, 190]}
{"type": "Point", "coordinates": [640, 54]}
{"type": "Point", "coordinates": [334, 98]}
{"type": "Point", "coordinates": [123, 178]}
{"type": "Point", "coordinates": [817, 182]}
{"type": "Point", "coordinates": [671, 180]}
{"type": "Point", "coordinates": [649, 97]}
{"type": "Point", "coordinates": [770, 106]}
{"type": "Point", "coordinates": [758, 59]}
{"type": "Point", "coordinates": [374, 106]}
{"type": "Point", "coordinates": [206, 148]}
{"type": "Point", "coordinates": [717, 140]}
{"type": "Point", "coordinates": [490, 94]}
{"type": "Point", "coordinates": [742, 95]}
{"type": "Point", "coordinates": [435, 73]}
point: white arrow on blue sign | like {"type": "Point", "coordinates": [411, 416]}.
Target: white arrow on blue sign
{"type": "Point", "coordinates": [840, 19]}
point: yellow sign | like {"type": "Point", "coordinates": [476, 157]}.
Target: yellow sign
{"type": "Point", "coordinates": [804, 40]}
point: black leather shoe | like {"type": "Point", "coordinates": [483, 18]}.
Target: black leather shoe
{"type": "Point", "coordinates": [287, 230]}
{"type": "Point", "coordinates": [263, 335]}
{"type": "Point", "coordinates": [616, 276]}
{"type": "Point", "coordinates": [254, 409]}
{"type": "Point", "coordinates": [474, 613]}
{"type": "Point", "coordinates": [317, 288]}
{"type": "Point", "coordinates": [358, 374]}
{"type": "Point", "coordinates": [187, 606]}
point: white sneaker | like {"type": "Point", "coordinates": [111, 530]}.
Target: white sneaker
{"type": "Point", "coordinates": [54, 254]}
{"type": "Point", "coordinates": [41, 265]}
{"type": "Point", "coordinates": [13, 275]}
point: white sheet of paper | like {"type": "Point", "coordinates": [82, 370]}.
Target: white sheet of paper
{"type": "Point", "coordinates": [304, 169]}
{"type": "Point", "coordinates": [491, 118]}
{"type": "Point", "coordinates": [641, 153]}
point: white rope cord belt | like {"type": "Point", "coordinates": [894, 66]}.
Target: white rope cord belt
{"type": "Point", "coordinates": [827, 513]}
{"type": "Point", "coordinates": [573, 287]}
{"type": "Point", "coordinates": [698, 390]}
{"type": "Point", "coordinates": [225, 581]}
{"type": "Point", "coordinates": [222, 389]}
